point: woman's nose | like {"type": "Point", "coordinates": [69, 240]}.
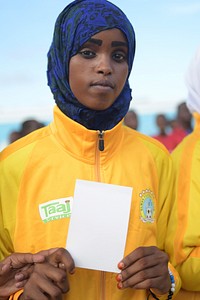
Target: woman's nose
{"type": "Point", "coordinates": [104, 65]}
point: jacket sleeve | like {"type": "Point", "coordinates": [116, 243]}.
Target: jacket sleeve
{"type": "Point", "coordinates": [11, 169]}
{"type": "Point", "coordinates": [165, 201]}
{"type": "Point", "coordinates": [5, 215]}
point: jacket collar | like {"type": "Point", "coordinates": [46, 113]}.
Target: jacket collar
{"type": "Point", "coordinates": [82, 142]}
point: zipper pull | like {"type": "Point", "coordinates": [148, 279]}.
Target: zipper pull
{"type": "Point", "coordinates": [101, 140]}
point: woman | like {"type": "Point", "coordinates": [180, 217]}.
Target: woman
{"type": "Point", "coordinates": [89, 64]}
{"type": "Point", "coordinates": [183, 240]}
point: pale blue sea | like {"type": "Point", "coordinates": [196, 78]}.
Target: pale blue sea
{"type": "Point", "coordinates": [146, 125]}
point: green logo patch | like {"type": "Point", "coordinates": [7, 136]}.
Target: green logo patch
{"type": "Point", "coordinates": [56, 209]}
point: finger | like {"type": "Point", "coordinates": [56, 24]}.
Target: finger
{"type": "Point", "coordinates": [60, 278]}
{"type": "Point", "coordinates": [29, 258]}
{"type": "Point", "coordinates": [38, 258]}
{"type": "Point", "coordinates": [141, 265]}
{"type": "Point", "coordinates": [153, 277]}
{"type": "Point", "coordinates": [63, 284]}
{"type": "Point", "coordinates": [20, 284]}
{"type": "Point", "coordinates": [143, 285]}
{"type": "Point", "coordinates": [53, 284]}
{"type": "Point", "coordinates": [47, 252]}
{"type": "Point", "coordinates": [144, 278]}
{"type": "Point", "coordinates": [136, 255]}
{"type": "Point", "coordinates": [160, 283]}
{"type": "Point", "coordinates": [25, 274]}
{"type": "Point", "coordinates": [62, 256]}
{"type": "Point", "coordinates": [19, 260]}
{"type": "Point", "coordinates": [33, 293]}
{"type": "Point", "coordinates": [20, 277]}
{"type": "Point", "coordinates": [52, 274]}
{"type": "Point", "coordinates": [5, 268]}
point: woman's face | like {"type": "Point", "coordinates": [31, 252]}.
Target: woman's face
{"type": "Point", "coordinates": [98, 72]}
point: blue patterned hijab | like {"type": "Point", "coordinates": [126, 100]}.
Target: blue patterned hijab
{"type": "Point", "coordinates": [77, 23]}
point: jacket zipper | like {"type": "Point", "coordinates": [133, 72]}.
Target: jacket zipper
{"type": "Point", "coordinates": [101, 140]}
{"type": "Point", "coordinates": [100, 147]}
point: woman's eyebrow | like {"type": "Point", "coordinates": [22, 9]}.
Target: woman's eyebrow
{"type": "Point", "coordinates": [119, 43]}
{"type": "Point", "coordinates": [95, 41]}
{"type": "Point", "coordinates": [113, 44]}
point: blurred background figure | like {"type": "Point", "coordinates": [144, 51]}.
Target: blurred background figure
{"type": "Point", "coordinates": [131, 119]}
{"type": "Point", "coordinates": [181, 126]}
{"type": "Point", "coordinates": [26, 127]}
{"type": "Point", "coordinates": [173, 123]}
{"type": "Point", "coordinates": [13, 136]}
{"type": "Point", "coordinates": [172, 132]}
{"type": "Point", "coordinates": [184, 118]}
{"type": "Point", "coordinates": [162, 136]}
{"type": "Point", "coordinates": [30, 125]}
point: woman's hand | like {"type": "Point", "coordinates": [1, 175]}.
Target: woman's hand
{"type": "Point", "coordinates": [145, 268]}
{"type": "Point", "coordinates": [48, 279]}
{"type": "Point", "coordinates": [12, 266]}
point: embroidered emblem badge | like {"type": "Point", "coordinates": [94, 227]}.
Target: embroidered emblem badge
{"type": "Point", "coordinates": [147, 206]}
{"type": "Point", "coordinates": [56, 209]}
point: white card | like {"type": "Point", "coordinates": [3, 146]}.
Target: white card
{"type": "Point", "coordinates": [98, 226]}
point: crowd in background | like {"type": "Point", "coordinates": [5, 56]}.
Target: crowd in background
{"type": "Point", "coordinates": [170, 132]}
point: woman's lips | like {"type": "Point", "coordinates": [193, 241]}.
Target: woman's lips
{"type": "Point", "coordinates": [103, 84]}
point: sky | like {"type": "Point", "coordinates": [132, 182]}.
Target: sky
{"type": "Point", "coordinates": [167, 36]}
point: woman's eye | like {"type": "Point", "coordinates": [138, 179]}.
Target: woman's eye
{"type": "Point", "coordinates": [119, 56]}
{"type": "Point", "coordinates": [86, 53]}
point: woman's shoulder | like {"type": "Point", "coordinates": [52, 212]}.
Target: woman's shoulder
{"type": "Point", "coordinates": [25, 144]}
{"type": "Point", "coordinates": [146, 141]}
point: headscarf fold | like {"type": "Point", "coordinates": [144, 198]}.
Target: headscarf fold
{"type": "Point", "coordinates": [77, 23]}
{"type": "Point", "coordinates": [193, 83]}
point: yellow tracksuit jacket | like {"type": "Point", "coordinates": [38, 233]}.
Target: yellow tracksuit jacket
{"type": "Point", "coordinates": [37, 178]}
{"type": "Point", "coordinates": [183, 241]}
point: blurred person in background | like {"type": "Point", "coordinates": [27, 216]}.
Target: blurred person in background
{"type": "Point", "coordinates": [163, 136]}
{"type": "Point", "coordinates": [181, 126]}
{"type": "Point", "coordinates": [184, 237]}
{"type": "Point", "coordinates": [13, 136]}
{"type": "Point", "coordinates": [26, 127]}
{"type": "Point", "coordinates": [131, 119]}
{"type": "Point", "coordinates": [30, 125]}
{"type": "Point", "coordinates": [184, 118]}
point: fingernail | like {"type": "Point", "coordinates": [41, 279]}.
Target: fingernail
{"type": "Point", "coordinates": [19, 276]}
{"type": "Point", "coordinates": [119, 277]}
{"type": "Point", "coordinates": [62, 266]}
{"type": "Point", "coordinates": [19, 284]}
{"type": "Point", "coordinates": [119, 285]}
{"type": "Point", "coordinates": [5, 267]}
{"type": "Point", "coordinates": [120, 265]}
